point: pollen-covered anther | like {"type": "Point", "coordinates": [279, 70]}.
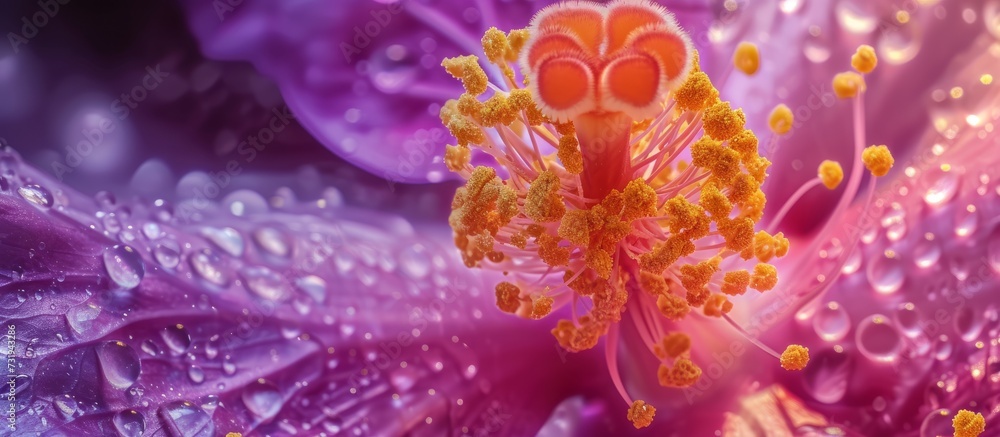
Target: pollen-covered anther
{"type": "Point", "coordinates": [767, 246]}
{"type": "Point", "coordinates": [468, 70]}
{"type": "Point", "coordinates": [569, 154]}
{"type": "Point", "coordinates": [508, 297]}
{"type": "Point", "coordinates": [721, 122]}
{"type": "Point", "coordinates": [968, 424]}
{"type": "Point", "coordinates": [795, 357]}
{"type": "Point", "coordinates": [551, 252]}
{"type": "Point", "coordinates": [848, 84]}
{"type": "Point", "coordinates": [672, 306]}
{"type": "Point", "coordinates": [641, 414]}
{"type": "Point", "coordinates": [735, 282]}
{"type": "Point", "coordinates": [497, 111]}
{"type": "Point", "coordinates": [543, 203]}
{"type": "Point", "coordinates": [831, 174]}
{"type": "Point", "coordinates": [717, 305]}
{"type": "Point", "coordinates": [764, 277]}
{"type": "Point", "coordinates": [696, 93]}
{"type": "Point", "coordinates": [541, 307]}
{"type": "Point", "coordinates": [695, 278]}
{"type": "Point", "coordinates": [878, 160]}
{"type": "Point", "coordinates": [746, 144]}
{"type": "Point", "coordinates": [781, 119]}
{"type": "Point", "coordinates": [495, 45]}
{"type": "Point", "coordinates": [747, 58]}
{"type": "Point", "coordinates": [684, 373]}
{"type": "Point", "coordinates": [516, 40]}
{"type": "Point", "coordinates": [738, 233]}
{"type": "Point", "coordinates": [864, 59]}
{"type": "Point", "coordinates": [673, 345]}
{"type": "Point", "coordinates": [457, 157]}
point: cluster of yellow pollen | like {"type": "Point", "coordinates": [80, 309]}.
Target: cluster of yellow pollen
{"type": "Point", "coordinates": [594, 207]}
{"type": "Point", "coordinates": [831, 174]}
{"type": "Point", "coordinates": [795, 357]}
{"type": "Point", "coordinates": [968, 424]}
{"type": "Point", "coordinates": [878, 160]}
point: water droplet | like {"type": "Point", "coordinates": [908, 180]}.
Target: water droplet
{"type": "Point", "coordinates": [790, 6]}
{"type": "Point", "coordinates": [877, 339]}
{"type": "Point", "coordinates": [392, 68]}
{"type": "Point", "coordinates": [943, 348]}
{"type": "Point", "coordinates": [993, 250]}
{"type": "Point", "coordinates": [151, 348]}
{"type": "Point", "coordinates": [314, 286]}
{"type": "Point", "coordinates": [272, 241]}
{"type": "Point", "coordinates": [66, 406]}
{"type": "Point", "coordinates": [969, 322]}
{"type": "Point", "coordinates": [196, 374]}
{"type": "Point", "coordinates": [926, 253]}
{"type": "Point", "coordinates": [177, 338]}
{"type": "Point", "coordinates": [119, 363]}
{"type": "Point", "coordinates": [991, 16]}
{"type": "Point", "coordinates": [831, 322]}
{"type": "Point", "coordinates": [853, 262]}
{"type": "Point", "coordinates": [816, 48]}
{"type": "Point", "coordinates": [908, 319]}
{"type": "Point", "coordinates": [896, 231]}
{"type": "Point", "coordinates": [185, 419]}
{"type": "Point", "coordinates": [207, 265]}
{"type": "Point", "coordinates": [263, 399]}
{"type": "Point", "coordinates": [856, 16]}
{"type": "Point", "coordinates": [415, 261]}
{"type": "Point", "coordinates": [167, 253]}
{"type": "Point", "coordinates": [941, 187]}
{"type": "Point", "coordinates": [899, 46]}
{"type": "Point", "coordinates": [937, 423]}
{"type": "Point", "coordinates": [244, 202]}
{"type": "Point", "coordinates": [152, 230]}
{"type": "Point", "coordinates": [129, 423]}
{"type": "Point", "coordinates": [36, 194]}
{"type": "Point", "coordinates": [124, 266]}
{"type": "Point", "coordinates": [886, 274]}
{"type": "Point", "coordinates": [264, 282]}
{"type": "Point", "coordinates": [229, 367]}
{"type": "Point", "coordinates": [827, 375]}
{"type": "Point", "coordinates": [227, 239]}
{"type": "Point", "coordinates": [81, 317]}
{"type": "Point", "coordinates": [966, 221]}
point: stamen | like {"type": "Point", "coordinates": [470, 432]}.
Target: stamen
{"type": "Point", "coordinates": [781, 119]}
{"type": "Point", "coordinates": [747, 58]}
{"type": "Point", "coordinates": [968, 424]}
{"type": "Point", "coordinates": [795, 357]}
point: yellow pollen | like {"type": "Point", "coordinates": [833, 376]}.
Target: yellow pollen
{"type": "Point", "coordinates": [673, 345]}
{"type": "Point", "coordinates": [764, 277]}
{"type": "Point", "coordinates": [457, 157]}
{"type": "Point", "coordinates": [672, 306]}
{"type": "Point", "coordinates": [495, 45]}
{"type": "Point", "coordinates": [795, 357]}
{"type": "Point", "coordinates": [831, 174]}
{"type": "Point", "coordinates": [508, 297]}
{"type": "Point", "coordinates": [848, 84]}
{"type": "Point", "coordinates": [467, 70]}
{"type": "Point", "coordinates": [641, 414]}
{"type": "Point", "coordinates": [747, 58]}
{"type": "Point", "coordinates": [717, 305]}
{"type": "Point", "coordinates": [968, 424]}
{"type": "Point", "coordinates": [544, 204]}
{"type": "Point", "coordinates": [684, 373]}
{"type": "Point", "coordinates": [722, 122]}
{"type": "Point", "coordinates": [541, 307]}
{"type": "Point", "coordinates": [570, 155]}
{"type": "Point", "coordinates": [986, 79]}
{"type": "Point", "coordinates": [746, 144]}
{"type": "Point", "coordinates": [735, 282]}
{"type": "Point", "coordinates": [696, 93]}
{"type": "Point", "coordinates": [864, 59]}
{"type": "Point", "coordinates": [781, 119]}
{"type": "Point", "coordinates": [516, 40]}
{"type": "Point", "coordinates": [878, 160]}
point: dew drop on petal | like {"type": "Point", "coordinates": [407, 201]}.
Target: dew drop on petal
{"type": "Point", "coordinates": [415, 261]}
{"type": "Point", "coordinates": [177, 338]}
{"type": "Point", "coordinates": [941, 187]}
{"type": "Point", "coordinates": [124, 266]}
{"type": "Point", "coordinates": [926, 253]}
{"type": "Point", "coordinates": [263, 399]}
{"type": "Point", "coordinates": [878, 340]}
{"type": "Point", "coordinates": [966, 221]}
{"type": "Point", "coordinates": [81, 317]}
{"type": "Point", "coordinates": [831, 322]}
{"type": "Point", "coordinates": [264, 282]}
{"type": "Point", "coordinates": [993, 250]}
{"type": "Point", "coordinates": [856, 16]}
{"type": "Point", "coordinates": [119, 363]}
{"type": "Point", "coordinates": [207, 265]}
{"type": "Point", "coordinates": [886, 274]}
{"type": "Point", "coordinates": [943, 348]}
{"type": "Point", "coordinates": [185, 419]}
{"type": "Point", "coordinates": [196, 374]}
{"type": "Point", "coordinates": [827, 375]}
{"type": "Point", "coordinates": [908, 319]}
{"type": "Point", "coordinates": [167, 253]}
{"type": "Point", "coordinates": [936, 423]}
{"type": "Point", "coordinates": [152, 230]}
{"type": "Point", "coordinates": [66, 405]}
{"type": "Point", "coordinates": [129, 423]}
{"type": "Point", "coordinates": [272, 241]}
{"type": "Point", "coordinates": [969, 322]}
{"type": "Point", "coordinates": [228, 239]}
{"type": "Point", "coordinates": [853, 262]}
{"type": "Point", "coordinates": [36, 194]}
{"type": "Point", "coordinates": [313, 286]}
